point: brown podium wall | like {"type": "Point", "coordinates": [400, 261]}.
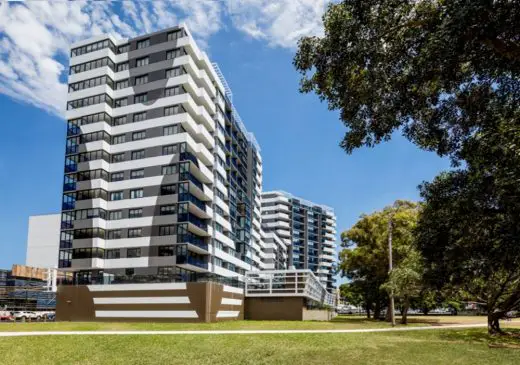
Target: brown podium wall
{"type": "Point", "coordinates": [274, 308]}
{"type": "Point", "coordinates": [76, 303]}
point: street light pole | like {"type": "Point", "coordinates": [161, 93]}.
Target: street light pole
{"type": "Point", "coordinates": [391, 309]}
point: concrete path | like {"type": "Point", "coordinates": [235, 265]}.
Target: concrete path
{"type": "Point", "coordinates": [238, 332]}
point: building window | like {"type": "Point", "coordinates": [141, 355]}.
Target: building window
{"type": "Point", "coordinates": [137, 155]}
{"type": "Point", "coordinates": [122, 84]}
{"type": "Point", "coordinates": [136, 193]}
{"type": "Point", "coordinates": [168, 210]}
{"type": "Point", "coordinates": [166, 250]}
{"type": "Point", "coordinates": [117, 176]}
{"type": "Point", "coordinates": [141, 80]}
{"type": "Point", "coordinates": [120, 102]}
{"type": "Point", "coordinates": [133, 233]}
{"type": "Point", "coordinates": [169, 150]}
{"type": "Point", "coordinates": [120, 120]}
{"type": "Point", "coordinates": [123, 49]}
{"type": "Point", "coordinates": [118, 157]}
{"type": "Point", "coordinates": [171, 91]}
{"type": "Point", "coordinates": [169, 170]}
{"type": "Point", "coordinates": [122, 66]}
{"type": "Point", "coordinates": [141, 98]}
{"type": "Point", "coordinates": [113, 254]}
{"type": "Point", "coordinates": [166, 230]}
{"type": "Point", "coordinates": [171, 110]}
{"type": "Point", "coordinates": [173, 72]}
{"type": "Point", "coordinates": [168, 189]}
{"type": "Point", "coordinates": [139, 117]}
{"type": "Point", "coordinates": [136, 136]}
{"type": "Point", "coordinates": [115, 215]}
{"type": "Point", "coordinates": [137, 174]}
{"type": "Point", "coordinates": [133, 252]}
{"type": "Point", "coordinates": [142, 62]}
{"type": "Point", "coordinates": [116, 195]}
{"type": "Point", "coordinates": [129, 272]}
{"type": "Point", "coordinates": [114, 234]}
{"type": "Point", "coordinates": [171, 129]}
{"type": "Point", "coordinates": [143, 44]}
{"type": "Point", "coordinates": [135, 213]}
{"type": "Point", "coordinates": [175, 53]}
{"type": "Point", "coordinates": [119, 139]}
{"type": "Point", "coordinates": [175, 35]}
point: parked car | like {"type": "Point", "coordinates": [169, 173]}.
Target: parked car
{"type": "Point", "coordinates": [51, 316]}
{"type": "Point", "coordinates": [25, 316]}
{"type": "Point", "coordinates": [6, 316]}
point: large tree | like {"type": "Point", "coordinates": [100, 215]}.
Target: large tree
{"type": "Point", "coordinates": [445, 74]}
{"type": "Point", "coordinates": [364, 258]}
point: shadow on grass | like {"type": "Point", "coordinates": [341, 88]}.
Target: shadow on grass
{"type": "Point", "coordinates": [510, 338]}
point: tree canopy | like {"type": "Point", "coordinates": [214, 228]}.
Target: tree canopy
{"type": "Point", "coordinates": [364, 258]}
{"type": "Point", "coordinates": [438, 71]}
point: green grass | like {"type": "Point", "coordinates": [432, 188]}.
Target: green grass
{"type": "Point", "coordinates": [340, 322]}
{"type": "Point", "coordinates": [458, 347]}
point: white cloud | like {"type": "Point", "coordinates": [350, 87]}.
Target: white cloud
{"type": "Point", "coordinates": [35, 36]}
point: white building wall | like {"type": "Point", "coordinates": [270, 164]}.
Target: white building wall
{"type": "Point", "coordinates": [43, 241]}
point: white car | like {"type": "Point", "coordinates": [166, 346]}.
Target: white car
{"type": "Point", "coordinates": [24, 316]}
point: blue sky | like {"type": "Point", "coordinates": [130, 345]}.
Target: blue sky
{"type": "Point", "coordinates": [298, 135]}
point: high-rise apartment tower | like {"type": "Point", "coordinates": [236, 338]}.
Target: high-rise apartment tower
{"type": "Point", "coordinates": [307, 229]}
{"type": "Point", "coordinates": [162, 179]}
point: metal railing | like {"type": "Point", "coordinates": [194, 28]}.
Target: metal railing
{"type": "Point", "coordinates": [287, 283]}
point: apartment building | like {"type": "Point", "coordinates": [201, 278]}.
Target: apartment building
{"type": "Point", "coordinates": [162, 181]}
{"type": "Point", "coordinates": [307, 229]}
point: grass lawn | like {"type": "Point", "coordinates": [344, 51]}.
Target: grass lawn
{"type": "Point", "coordinates": [418, 347]}
{"type": "Point", "coordinates": [340, 322]}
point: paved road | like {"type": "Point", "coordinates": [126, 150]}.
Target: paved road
{"type": "Point", "coordinates": [236, 332]}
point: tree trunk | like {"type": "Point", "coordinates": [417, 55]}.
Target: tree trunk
{"type": "Point", "coordinates": [368, 312]}
{"type": "Point", "coordinates": [404, 311]}
{"type": "Point", "coordinates": [377, 311]}
{"type": "Point", "coordinates": [494, 324]}
{"type": "Point", "coordinates": [425, 311]}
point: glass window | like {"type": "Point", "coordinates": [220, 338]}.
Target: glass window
{"type": "Point", "coordinates": [168, 210]}
{"type": "Point", "coordinates": [173, 72]}
{"type": "Point", "coordinates": [135, 213]}
{"type": "Point", "coordinates": [118, 139]}
{"type": "Point", "coordinates": [169, 170]}
{"type": "Point", "coordinates": [168, 189]}
{"type": "Point", "coordinates": [120, 102]}
{"type": "Point", "coordinates": [134, 232]}
{"type": "Point", "coordinates": [115, 215]}
{"type": "Point", "coordinates": [129, 272]}
{"type": "Point", "coordinates": [141, 98]}
{"type": "Point", "coordinates": [175, 35]}
{"type": "Point", "coordinates": [171, 129]}
{"type": "Point", "coordinates": [171, 91]}
{"type": "Point", "coordinates": [133, 252]}
{"type": "Point", "coordinates": [137, 174]}
{"type": "Point", "coordinates": [140, 80]}
{"type": "Point", "coordinates": [122, 66]}
{"type": "Point", "coordinates": [143, 44]}
{"type": "Point", "coordinates": [136, 193]}
{"type": "Point", "coordinates": [142, 61]}
{"type": "Point", "coordinates": [116, 195]}
{"type": "Point", "coordinates": [137, 155]}
{"type": "Point", "coordinates": [118, 157]}
{"type": "Point", "coordinates": [171, 110]}
{"type": "Point", "coordinates": [166, 250]}
{"type": "Point", "coordinates": [122, 84]}
{"type": "Point", "coordinates": [166, 230]}
{"type": "Point", "coordinates": [114, 234]}
{"type": "Point", "coordinates": [138, 117]}
{"type": "Point", "coordinates": [123, 49]}
{"type": "Point", "coordinates": [169, 150]}
{"type": "Point", "coordinates": [136, 136]}
{"type": "Point", "coordinates": [117, 176]}
{"type": "Point", "coordinates": [113, 254]}
{"type": "Point", "coordinates": [175, 53]}
{"type": "Point", "coordinates": [120, 120]}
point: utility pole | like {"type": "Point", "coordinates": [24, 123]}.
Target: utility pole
{"type": "Point", "coordinates": [391, 306]}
